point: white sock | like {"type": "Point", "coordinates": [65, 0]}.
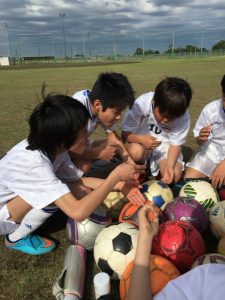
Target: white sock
{"type": "Point", "coordinates": [6, 226]}
{"type": "Point", "coordinates": [32, 220]}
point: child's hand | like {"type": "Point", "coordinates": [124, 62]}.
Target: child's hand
{"type": "Point", "coordinates": [107, 151]}
{"type": "Point", "coordinates": [113, 138]}
{"type": "Point", "coordinates": [126, 172]}
{"type": "Point", "coordinates": [148, 220]}
{"type": "Point", "coordinates": [218, 175]}
{"type": "Point", "coordinates": [150, 142]}
{"type": "Point", "coordinates": [204, 134]}
{"type": "Point", "coordinates": [168, 176]}
{"type": "Point", "coordinates": [132, 193]}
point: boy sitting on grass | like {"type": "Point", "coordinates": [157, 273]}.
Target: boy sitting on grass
{"type": "Point", "coordinates": [110, 96]}
{"type": "Point", "coordinates": [156, 127]}
{"type": "Point", "coordinates": [209, 161]}
{"type": "Point", "coordinates": [37, 175]}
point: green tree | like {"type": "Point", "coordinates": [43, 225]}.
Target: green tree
{"type": "Point", "coordinates": [138, 51]}
{"type": "Point", "coordinates": [219, 45]}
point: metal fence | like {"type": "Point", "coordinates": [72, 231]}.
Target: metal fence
{"type": "Point", "coordinates": [101, 46]}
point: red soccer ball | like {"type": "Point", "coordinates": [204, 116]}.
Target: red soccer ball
{"type": "Point", "coordinates": [180, 242]}
{"type": "Point", "coordinates": [221, 192]}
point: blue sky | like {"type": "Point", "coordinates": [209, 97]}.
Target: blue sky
{"type": "Point", "coordinates": [98, 27]}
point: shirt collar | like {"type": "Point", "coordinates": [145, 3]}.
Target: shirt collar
{"type": "Point", "coordinates": [88, 105]}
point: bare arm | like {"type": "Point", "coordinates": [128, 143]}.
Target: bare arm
{"type": "Point", "coordinates": [140, 277]}
{"type": "Point", "coordinates": [129, 189]}
{"type": "Point", "coordinates": [172, 156]}
{"type": "Point", "coordinates": [115, 139]}
{"type": "Point", "coordinates": [81, 209]}
{"type": "Point", "coordinates": [148, 141]}
{"type": "Point", "coordinates": [94, 152]}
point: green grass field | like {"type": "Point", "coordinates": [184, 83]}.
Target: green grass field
{"type": "Point", "coordinates": [27, 277]}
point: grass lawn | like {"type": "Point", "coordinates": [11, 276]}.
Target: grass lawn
{"type": "Point", "coordinates": [27, 277]}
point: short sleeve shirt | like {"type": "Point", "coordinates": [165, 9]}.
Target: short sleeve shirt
{"type": "Point", "coordinates": [140, 120]}
{"type": "Point", "coordinates": [205, 282]}
{"type": "Point", "coordinates": [34, 177]}
{"type": "Point", "coordinates": [213, 114]}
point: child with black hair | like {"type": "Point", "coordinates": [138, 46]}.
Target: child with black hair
{"type": "Point", "coordinates": [37, 175]}
{"type": "Point", "coordinates": [110, 96]}
{"type": "Point", "coordinates": [209, 130]}
{"type": "Point", "coordinates": [156, 127]}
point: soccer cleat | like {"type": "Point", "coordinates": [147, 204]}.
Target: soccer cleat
{"type": "Point", "coordinates": [31, 244]}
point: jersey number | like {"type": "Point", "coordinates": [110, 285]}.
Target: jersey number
{"type": "Point", "coordinates": [155, 129]}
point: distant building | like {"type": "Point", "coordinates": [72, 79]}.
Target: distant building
{"type": "Point", "coordinates": [4, 61]}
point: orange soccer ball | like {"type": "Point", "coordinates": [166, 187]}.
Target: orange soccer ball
{"type": "Point", "coordinates": [161, 272]}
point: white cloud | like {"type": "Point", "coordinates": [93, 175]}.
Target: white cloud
{"type": "Point", "coordinates": [128, 18]}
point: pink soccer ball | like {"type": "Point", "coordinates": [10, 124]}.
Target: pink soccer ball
{"type": "Point", "coordinates": [187, 209]}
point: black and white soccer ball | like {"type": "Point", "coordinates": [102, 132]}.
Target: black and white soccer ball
{"type": "Point", "coordinates": [115, 248]}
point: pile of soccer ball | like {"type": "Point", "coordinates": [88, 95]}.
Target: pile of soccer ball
{"type": "Point", "coordinates": [179, 244]}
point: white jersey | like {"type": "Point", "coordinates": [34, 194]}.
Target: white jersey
{"type": "Point", "coordinates": [34, 177]}
{"type": "Point", "coordinates": [205, 282]}
{"type": "Point", "coordinates": [140, 120]}
{"type": "Point", "coordinates": [213, 114]}
{"type": "Point", "coordinates": [93, 122]}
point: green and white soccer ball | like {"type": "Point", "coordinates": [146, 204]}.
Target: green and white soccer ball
{"type": "Point", "coordinates": [157, 192]}
{"type": "Point", "coordinates": [202, 191]}
{"type": "Point", "coordinates": [217, 219]}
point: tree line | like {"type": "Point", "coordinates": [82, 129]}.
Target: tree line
{"type": "Point", "coordinates": [187, 49]}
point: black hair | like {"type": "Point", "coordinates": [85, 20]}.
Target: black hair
{"type": "Point", "coordinates": [113, 90]}
{"type": "Point", "coordinates": [223, 84]}
{"type": "Point", "coordinates": [55, 122]}
{"type": "Point", "coordinates": [172, 96]}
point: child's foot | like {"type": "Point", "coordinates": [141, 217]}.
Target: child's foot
{"type": "Point", "coordinates": [31, 244]}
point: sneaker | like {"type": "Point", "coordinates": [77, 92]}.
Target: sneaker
{"type": "Point", "coordinates": [31, 244]}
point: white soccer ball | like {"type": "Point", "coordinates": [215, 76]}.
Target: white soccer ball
{"type": "Point", "coordinates": [210, 258]}
{"type": "Point", "coordinates": [114, 203]}
{"type": "Point", "coordinates": [84, 233]}
{"type": "Point", "coordinates": [217, 219]}
{"type": "Point", "coordinates": [158, 192]}
{"type": "Point", "coordinates": [202, 191]}
{"type": "Point", "coordinates": [115, 248]}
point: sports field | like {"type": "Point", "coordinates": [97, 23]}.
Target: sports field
{"type": "Point", "coordinates": [27, 277]}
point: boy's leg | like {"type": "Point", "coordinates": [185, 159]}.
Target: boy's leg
{"type": "Point", "coordinates": [6, 226]}
{"type": "Point", "coordinates": [201, 166]}
{"type": "Point", "coordinates": [178, 172]}
{"type": "Point", "coordinates": [21, 238]}
{"type": "Point", "coordinates": [193, 173]}
{"type": "Point", "coordinates": [32, 221]}
{"type": "Point", "coordinates": [178, 169]}
{"type": "Point", "coordinates": [138, 153]}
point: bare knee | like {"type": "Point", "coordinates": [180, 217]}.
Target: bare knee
{"type": "Point", "coordinates": [137, 152]}
{"type": "Point", "coordinates": [193, 173]}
